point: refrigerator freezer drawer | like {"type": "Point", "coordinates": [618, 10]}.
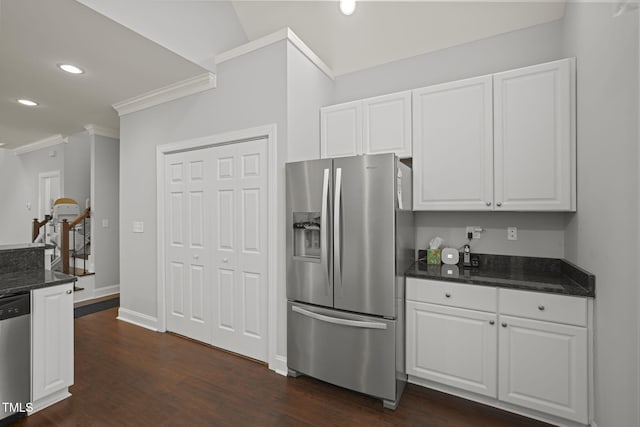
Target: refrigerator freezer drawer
{"type": "Point", "coordinates": [349, 350]}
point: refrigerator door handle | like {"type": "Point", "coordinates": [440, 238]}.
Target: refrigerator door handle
{"type": "Point", "coordinates": [324, 235]}
{"type": "Point", "coordinates": [339, 321]}
{"type": "Point", "coordinates": [337, 241]}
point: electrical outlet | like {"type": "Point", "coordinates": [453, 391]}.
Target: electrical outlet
{"type": "Point", "coordinates": [475, 230]}
{"type": "Point", "coordinates": [512, 233]}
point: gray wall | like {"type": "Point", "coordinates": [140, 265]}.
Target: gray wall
{"type": "Point", "coordinates": [603, 234]}
{"type": "Point", "coordinates": [502, 52]}
{"type": "Point", "coordinates": [308, 89]}
{"type": "Point", "coordinates": [105, 205]}
{"type": "Point", "coordinates": [77, 168]}
{"type": "Point", "coordinates": [15, 218]}
{"type": "Point", "coordinates": [539, 234]}
{"type": "Point", "coordinates": [251, 92]}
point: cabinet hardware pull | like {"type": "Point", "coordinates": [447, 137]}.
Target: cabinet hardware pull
{"type": "Point", "coordinates": [499, 204]}
{"type": "Point", "coordinates": [492, 322]}
{"type": "Point", "coordinates": [504, 325]}
{"type": "Point", "coordinates": [541, 307]}
{"type": "Point", "coordinates": [488, 203]}
{"type": "Point", "coordinates": [447, 295]}
{"type": "Point", "coordinates": [69, 291]}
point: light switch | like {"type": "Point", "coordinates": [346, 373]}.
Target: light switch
{"type": "Point", "coordinates": [105, 223]}
{"type": "Point", "coordinates": [138, 227]}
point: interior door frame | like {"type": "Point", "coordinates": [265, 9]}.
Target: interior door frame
{"type": "Point", "coordinates": [41, 177]}
{"type": "Point", "coordinates": [267, 132]}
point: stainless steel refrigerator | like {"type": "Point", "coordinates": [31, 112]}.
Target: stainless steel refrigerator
{"type": "Point", "coordinates": [349, 241]}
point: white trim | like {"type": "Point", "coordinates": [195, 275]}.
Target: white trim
{"type": "Point", "coordinates": [282, 34]}
{"type": "Point", "coordinates": [106, 291]}
{"type": "Point", "coordinates": [39, 145]}
{"type": "Point", "coordinates": [49, 174]}
{"type": "Point", "coordinates": [49, 400]}
{"type": "Point", "coordinates": [495, 403]}
{"type": "Point", "coordinates": [280, 365]}
{"type": "Point", "coordinates": [276, 362]}
{"type": "Point", "coordinates": [137, 319]}
{"type": "Point", "coordinates": [102, 131]}
{"type": "Point", "coordinates": [168, 93]}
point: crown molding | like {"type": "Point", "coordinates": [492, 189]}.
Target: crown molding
{"type": "Point", "coordinates": [102, 131]}
{"type": "Point", "coordinates": [283, 34]}
{"type": "Point", "coordinates": [168, 93]}
{"type": "Point", "coordinates": [39, 145]}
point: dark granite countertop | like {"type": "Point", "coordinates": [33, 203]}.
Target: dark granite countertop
{"type": "Point", "coordinates": [526, 273]}
{"type": "Point", "coordinates": [27, 280]}
{"type": "Point", "coordinates": [19, 246]}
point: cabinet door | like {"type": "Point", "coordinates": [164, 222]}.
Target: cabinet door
{"type": "Point", "coordinates": [341, 130]}
{"type": "Point", "coordinates": [453, 146]}
{"type": "Point", "coordinates": [387, 124]}
{"type": "Point", "coordinates": [543, 366]}
{"type": "Point", "coordinates": [52, 340]}
{"type": "Point", "coordinates": [452, 346]}
{"type": "Point", "coordinates": [534, 138]}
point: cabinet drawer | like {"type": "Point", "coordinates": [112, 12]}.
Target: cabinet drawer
{"type": "Point", "coordinates": [452, 294]}
{"type": "Point", "coordinates": [541, 306]}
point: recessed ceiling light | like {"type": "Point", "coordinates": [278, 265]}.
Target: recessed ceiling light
{"type": "Point", "coordinates": [70, 68]}
{"type": "Point", "coordinates": [347, 7]}
{"type": "Point", "coordinates": [27, 102]}
{"type": "Point", "coordinates": [1, 144]}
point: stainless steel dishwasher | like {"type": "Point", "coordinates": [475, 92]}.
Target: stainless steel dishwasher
{"type": "Point", "coordinates": [15, 356]}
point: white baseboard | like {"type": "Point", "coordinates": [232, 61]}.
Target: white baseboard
{"type": "Point", "coordinates": [138, 319]}
{"type": "Point", "coordinates": [90, 291]}
{"type": "Point", "coordinates": [279, 365]}
{"type": "Point", "coordinates": [105, 291]}
{"type": "Point", "coordinates": [47, 401]}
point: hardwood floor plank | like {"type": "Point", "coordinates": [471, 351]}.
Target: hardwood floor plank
{"type": "Point", "coordinates": [129, 376]}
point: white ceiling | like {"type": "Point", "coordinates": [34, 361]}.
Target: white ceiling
{"type": "Point", "coordinates": [116, 46]}
{"type": "Point", "coordinates": [385, 31]}
{"type": "Point", "coordinates": [35, 35]}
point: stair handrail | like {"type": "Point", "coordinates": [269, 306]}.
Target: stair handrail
{"type": "Point", "coordinates": [37, 225]}
{"type": "Point", "coordinates": [66, 228]}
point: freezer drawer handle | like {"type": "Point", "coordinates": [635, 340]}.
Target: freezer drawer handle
{"type": "Point", "coordinates": [338, 321]}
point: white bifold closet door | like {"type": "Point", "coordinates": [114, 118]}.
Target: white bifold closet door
{"type": "Point", "coordinates": [216, 253]}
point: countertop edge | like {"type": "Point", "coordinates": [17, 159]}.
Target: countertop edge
{"type": "Point", "coordinates": [576, 289]}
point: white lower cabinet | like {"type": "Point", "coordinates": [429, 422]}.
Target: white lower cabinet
{"type": "Point", "coordinates": [51, 344]}
{"type": "Point", "coordinates": [440, 340]}
{"type": "Point", "coordinates": [543, 366]}
{"type": "Point", "coordinates": [526, 352]}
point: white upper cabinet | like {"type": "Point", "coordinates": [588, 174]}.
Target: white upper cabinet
{"type": "Point", "coordinates": [387, 124]}
{"type": "Point", "coordinates": [534, 140]}
{"type": "Point", "coordinates": [500, 142]}
{"type": "Point", "coordinates": [370, 126]}
{"type": "Point", "coordinates": [341, 130]}
{"type": "Point", "coordinates": [453, 150]}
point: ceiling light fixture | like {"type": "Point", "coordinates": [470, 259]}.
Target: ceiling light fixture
{"type": "Point", "coordinates": [27, 102]}
{"type": "Point", "coordinates": [1, 144]}
{"type": "Point", "coordinates": [72, 69]}
{"type": "Point", "coordinates": [347, 7]}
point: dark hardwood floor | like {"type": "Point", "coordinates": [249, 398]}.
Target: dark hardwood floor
{"type": "Point", "coordinates": [126, 375]}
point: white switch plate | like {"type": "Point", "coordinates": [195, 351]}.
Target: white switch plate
{"type": "Point", "coordinates": [138, 227]}
{"type": "Point", "coordinates": [512, 233]}
{"type": "Point", "coordinates": [105, 223]}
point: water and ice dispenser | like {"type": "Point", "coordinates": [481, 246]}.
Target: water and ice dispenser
{"type": "Point", "coordinates": [306, 235]}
